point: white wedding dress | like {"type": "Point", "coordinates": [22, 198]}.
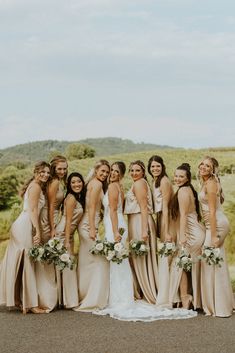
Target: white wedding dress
{"type": "Point", "coordinates": [122, 305]}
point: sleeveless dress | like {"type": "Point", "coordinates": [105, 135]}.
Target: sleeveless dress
{"type": "Point", "coordinates": [46, 274]}
{"type": "Point", "coordinates": [145, 270]}
{"type": "Point", "coordinates": [217, 296]}
{"type": "Point", "coordinates": [122, 305]}
{"type": "Point", "coordinates": [17, 271]}
{"type": "Point", "coordinates": [195, 234]}
{"type": "Point", "coordinates": [93, 270]}
{"type": "Point", "coordinates": [163, 262]}
{"type": "Point", "coordinates": [67, 279]}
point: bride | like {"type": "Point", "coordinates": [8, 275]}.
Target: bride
{"type": "Point", "coordinates": [122, 305]}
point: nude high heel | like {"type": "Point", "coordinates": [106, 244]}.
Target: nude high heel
{"type": "Point", "coordinates": [186, 301]}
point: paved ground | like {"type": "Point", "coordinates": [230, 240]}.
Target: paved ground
{"type": "Point", "coordinates": [64, 331]}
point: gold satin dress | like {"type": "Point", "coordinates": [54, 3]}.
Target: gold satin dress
{"type": "Point", "coordinates": [217, 295]}
{"type": "Point", "coordinates": [93, 270]}
{"type": "Point", "coordinates": [46, 274]}
{"type": "Point", "coordinates": [18, 283]}
{"type": "Point", "coordinates": [144, 268]}
{"type": "Point", "coordinates": [67, 279]}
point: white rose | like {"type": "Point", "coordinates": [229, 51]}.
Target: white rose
{"type": "Point", "coordinates": [41, 251]}
{"type": "Point", "coordinates": [118, 247]}
{"type": "Point", "coordinates": [160, 246]}
{"type": "Point", "coordinates": [65, 257]}
{"type": "Point", "coordinates": [99, 246]}
{"type": "Point", "coordinates": [207, 252]}
{"type": "Point", "coordinates": [142, 247]}
{"type": "Point", "coordinates": [169, 246]}
{"type": "Point", "coordinates": [59, 246]}
{"type": "Point", "coordinates": [216, 252]}
{"type": "Point", "coordinates": [133, 245]}
{"type": "Point", "coordinates": [184, 259]}
{"type": "Point", "coordinates": [111, 254]}
{"type": "Point", "coordinates": [51, 243]}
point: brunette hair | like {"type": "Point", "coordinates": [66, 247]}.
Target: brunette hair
{"type": "Point", "coordinates": [81, 196]}
{"type": "Point", "coordinates": [53, 163]}
{"type": "Point", "coordinates": [159, 160]}
{"type": "Point", "coordinates": [38, 167]}
{"type": "Point", "coordinates": [121, 166]}
{"type": "Point", "coordinates": [174, 204]}
{"type": "Point", "coordinates": [141, 165]}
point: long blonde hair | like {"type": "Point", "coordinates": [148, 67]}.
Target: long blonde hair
{"type": "Point", "coordinates": [92, 173]}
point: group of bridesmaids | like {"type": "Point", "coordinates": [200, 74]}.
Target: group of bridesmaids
{"type": "Point", "coordinates": [57, 205]}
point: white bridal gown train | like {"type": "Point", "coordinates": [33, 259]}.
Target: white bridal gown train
{"type": "Point", "coordinates": [122, 305]}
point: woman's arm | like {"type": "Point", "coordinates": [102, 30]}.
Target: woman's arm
{"type": "Point", "coordinates": [140, 190]}
{"type": "Point", "coordinates": [51, 193]}
{"type": "Point", "coordinates": [166, 191]}
{"type": "Point", "coordinates": [34, 195]}
{"type": "Point", "coordinates": [94, 199]}
{"type": "Point", "coordinates": [70, 204]}
{"type": "Point", "coordinates": [211, 191]}
{"type": "Point", "coordinates": [113, 193]}
{"type": "Point", "coordinates": [184, 204]}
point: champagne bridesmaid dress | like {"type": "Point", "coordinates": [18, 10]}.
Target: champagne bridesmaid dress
{"type": "Point", "coordinates": [217, 295]}
{"type": "Point", "coordinates": [163, 262]}
{"type": "Point", "coordinates": [67, 279]}
{"type": "Point", "coordinates": [195, 235]}
{"type": "Point", "coordinates": [46, 274]}
{"type": "Point", "coordinates": [18, 284]}
{"type": "Point", "coordinates": [93, 270]}
{"type": "Point", "coordinates": [145, 271]}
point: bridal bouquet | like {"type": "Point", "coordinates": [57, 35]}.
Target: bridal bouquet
{"type": "Point", "coordinates": [100, 247]}
{"type": "Point", "coordinates": [53, 252]}
{"type": "Point", "coordinates": [211, 256]}
{"type": "Point", "coordinates": [166, 249]}
{"type": "Point", "coordinates": [117, 252]}
{"type": "Point", "coordinates": [138, 247]}
{"type": "Point", "coordinates": [184, 261]}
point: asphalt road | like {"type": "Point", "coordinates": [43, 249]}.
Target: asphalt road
{"type": "Point", "coordinates": [65, 331]}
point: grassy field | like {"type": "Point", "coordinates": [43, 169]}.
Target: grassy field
{"type": "Point", "coordinates": [172, 158]}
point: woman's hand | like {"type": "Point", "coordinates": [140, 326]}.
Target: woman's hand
{"type": "Point", "coordinates": [67, 244]}
{"type": "Point", "coordinates": [53, 233]}
{"type": "Point", "coordinates": [117, 237]}
{"type": "Point", "coordinates": [145, 237]}
{"type": "Point", "coordinates": [92, 234]}
{"type": "Point", "coordinates": [215, 242]}
{"type": "Point", "coordinates": [36, 239]}
{"type": "Point", "coordinates": [168, 238]}
{"type": "Point", "coordinates": [183, 241]}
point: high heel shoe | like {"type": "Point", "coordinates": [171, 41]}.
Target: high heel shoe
{"type": "Point", "coordinates": [35, 310]}
{"type": "Point", "coordinates": [186, 301]}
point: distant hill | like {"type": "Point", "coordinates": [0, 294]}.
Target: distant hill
{"type": "Point", "coordinates": [33, 151]}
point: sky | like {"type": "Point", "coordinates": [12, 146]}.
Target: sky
{"type": "Point", "coordinates": [155, 71]}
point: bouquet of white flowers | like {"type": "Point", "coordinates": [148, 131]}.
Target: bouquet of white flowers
{"type": "Point", "coordinates": [100, 247]}
{"type": "Point", "coordinates": [211, 255]}
{"type": "Point", "coordinates": [166, 249]}
{"type": "Point", "coordinates": [53, 252]}
{"type": "Point", "coordinates": [117, 252]}
{"type": "Point", "coordinates": [184, 261]}
{"type": "Point", "coordinates": [37, 253]}
{"type": "Point", "coordinates": [138, 247]}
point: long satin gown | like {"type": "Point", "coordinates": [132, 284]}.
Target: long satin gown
{"type": "Point", "coordinates": [163, 262]}
{"type": "Point", "coordinates": [145, 269]}
{"type": "Point", "coordinates": [217, 295]}
{"type": "Point", "coordinates": [18, 285]}
{"type": "Point", "coordinates": [195, 235]}
{"type": "Point", "coordinates": [122, 305]}
{"type": "Point", "coordinates": [67, 279]}
{"type": "Point", "coordinates": [93, 270]}
{"type": "Point", "coordinates": [46, 274]}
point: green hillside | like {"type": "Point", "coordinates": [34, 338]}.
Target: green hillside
{"type": "Point", "coordinates": [33, 151]}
